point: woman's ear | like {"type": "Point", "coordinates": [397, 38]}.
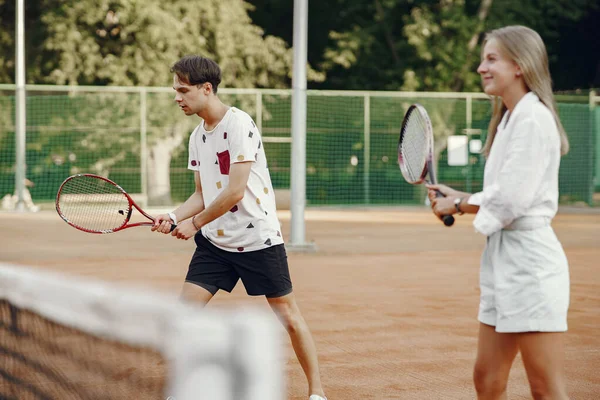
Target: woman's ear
{"type": "Point", "coordinates": [519, 72]}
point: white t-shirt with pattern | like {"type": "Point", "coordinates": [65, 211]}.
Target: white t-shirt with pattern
{"type": "Point", "coordinates": [251, 224]}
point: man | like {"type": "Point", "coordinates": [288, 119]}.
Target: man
{"type": "Point", "coordinates": [232, 214]}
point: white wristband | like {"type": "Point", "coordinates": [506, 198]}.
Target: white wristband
{"type": "Point", "coordinates": [173, 217]}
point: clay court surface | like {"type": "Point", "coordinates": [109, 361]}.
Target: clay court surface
{"type": "Point", "coordinates": [391, 296]}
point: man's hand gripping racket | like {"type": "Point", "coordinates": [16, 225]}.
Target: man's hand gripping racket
{"type": "Point", "coordinates": [415, 150]}
{"type": "Point", "coordinates": [95, 204]}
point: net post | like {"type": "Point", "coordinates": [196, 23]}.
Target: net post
{"type": "Point", "coordinates": [298, 170]}
{"type": "Point", "coordinates": [21, 121]}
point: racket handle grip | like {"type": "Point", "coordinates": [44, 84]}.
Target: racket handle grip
{"type": "Point", "coordinates": [447, 219]}
{"type": "Point", "coordinates": [173, 226]}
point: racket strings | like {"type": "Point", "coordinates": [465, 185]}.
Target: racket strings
{"type": "Point", "coordinates": [414, 146]}
{"type": "Point", "coordinates": [93, 204]}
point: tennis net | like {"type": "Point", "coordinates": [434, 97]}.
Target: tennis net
{"type": "Point", "coordinates": [67, 338]}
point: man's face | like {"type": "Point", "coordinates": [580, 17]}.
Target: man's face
{"type": "Point", "coordinates": [192, 99]}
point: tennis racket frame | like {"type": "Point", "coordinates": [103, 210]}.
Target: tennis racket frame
{"type": "Point", "coordinates": [428, 166]}
{"type": "Point", "coordinates": [124, 225]}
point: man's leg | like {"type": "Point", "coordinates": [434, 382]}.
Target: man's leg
{"type": "Point", "coordinates": [289, 314]}
{"type": "Point", "coordinates": [206, 266]}
{"type": "Point", "coordinates": [196, 294]}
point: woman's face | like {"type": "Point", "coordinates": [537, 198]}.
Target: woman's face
{"type": "Point", "coordinates": [498, 72]}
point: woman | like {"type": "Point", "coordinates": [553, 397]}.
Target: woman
{"type": "Point", "coordinates": [524, 276]}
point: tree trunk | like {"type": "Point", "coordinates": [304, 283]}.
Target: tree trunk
{"type": "Point", "coordinates": [482, 13]}
{"type": "Point", "coordinates": [159, 168]}
{"type": "Point", "coordinates": [380, 12]}
{"type": "Point", "coordinates": [159, 179]}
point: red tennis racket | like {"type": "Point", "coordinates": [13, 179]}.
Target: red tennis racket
{"type": "Point", "coordinates": [95, 204]}
{"type": "Point", "coordinates": [415, 150]}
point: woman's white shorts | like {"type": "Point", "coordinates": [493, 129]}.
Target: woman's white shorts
{"type": "Point", "coordinates": [524, 281]}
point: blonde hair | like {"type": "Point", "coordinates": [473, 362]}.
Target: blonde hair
{"type": "Point", "coordinates": [525, 47]}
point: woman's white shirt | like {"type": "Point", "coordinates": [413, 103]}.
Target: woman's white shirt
{"type": "Point", "coordinates": [521, 172]}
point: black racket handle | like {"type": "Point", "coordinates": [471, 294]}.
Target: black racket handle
{"type": "Point", "coordinates": [447, 219]}
{"type": "Point", "coordinates": [173, 226]}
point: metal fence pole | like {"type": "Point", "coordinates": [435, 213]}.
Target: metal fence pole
{"type": "Point", "coordinates": [367, 149]}
{"type": "Point", "coordinates": [469, 123]}
{"type": "Point", "coordinates": [21, 104]}
{"type": "Point", "coordinates": [595, 122]}
{"type": "Point", "coordinates": [144, 144]}
{"type": "Point", "coordinates": [259, 111]}
{"type": "Point", "coordinates": [298, 178]}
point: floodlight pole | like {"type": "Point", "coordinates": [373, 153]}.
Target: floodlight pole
{"type": "Point", "coordinates": [298, 170]}
{"type": "Point", "coordinates": [20, 94]}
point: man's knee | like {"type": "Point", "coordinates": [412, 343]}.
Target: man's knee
{"type": "Point", "coordinates": [197, 294]}
{"type": "Point", "coordinates": [288, 314]}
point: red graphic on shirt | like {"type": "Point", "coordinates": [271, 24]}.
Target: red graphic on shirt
{"type": "Point", "coordinates": [224, 162]}
{"type": "Point", "coordinates": [194, 163]}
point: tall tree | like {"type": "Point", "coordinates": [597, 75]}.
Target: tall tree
{"type": "Point", "coordinates": [363, 45]}
{"type": "Point", "coordinates": [442, 36]}
{"type": "Point", "coordinates": [434, 45]}
{"type": "Point", "coordinates": [134, 43]}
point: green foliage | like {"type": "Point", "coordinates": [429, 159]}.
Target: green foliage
{"type": "Point", "coordinates": [7, 33]}
{"type": "Point", "coordinates": [381, 44]}
{"type": "Point", "coordinates": [440, 37]}
{"type": "Point", "coordinates": [133, 42]}
{"type": "Point", "coordinates": [406, 45]}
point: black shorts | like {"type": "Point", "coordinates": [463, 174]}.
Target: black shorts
{"type": "Point", "coordinates": [263, 272]}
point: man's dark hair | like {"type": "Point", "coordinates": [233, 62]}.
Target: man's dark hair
{"type": "Point", "coordinates": [196, 70]}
